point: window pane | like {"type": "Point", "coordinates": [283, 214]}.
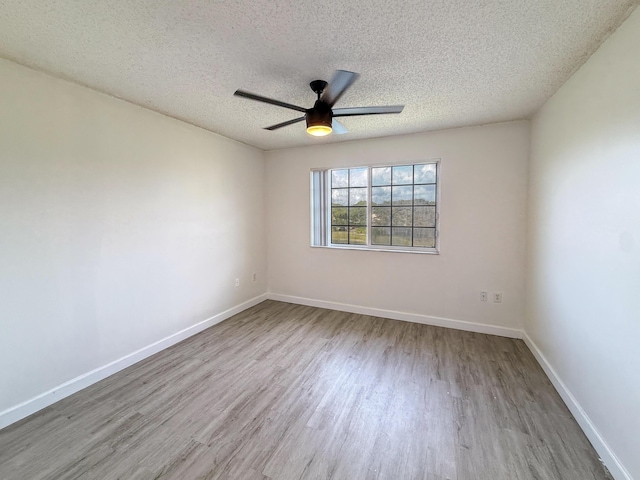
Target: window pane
{"type": "Point", "coordinates": [358, 216]}
{"type": "Point", "coordinates": [339, 178]}
{"type": "Point", "coordinates": [425, 173]}
{"type": "Point", "coordinates": [403, 175]}
{"type": "Point", "coordinates": [358, 235]}
{"type": "Point", "coordinates": [339, 216]}
{"type": "Point", "coordinates": [381, 195]}
{"type": "Point", "coordinates": [380, 236]}
{"type": "Point", "coordinates": [424, 237]}
{"type": "Point", "coordinates": [339, 234]}
{"type": "Point", "coordinates": [381, 216]}
{"type": "Point", "coordinates": [425, 194]}
{"type": "Point", "coordinates": [340, 197]}
{"type": "Point", "coordinates": [401, 236]}
{"type": "Point", "coordinates": [381, 176]}
{"type": "Point", "coordinates": [358, 177]}
{"type": "Point", "coordinates": [358, 196]}
{"type": "Point", "coordinates": [401, 217]}
{"type": "Point", "coordinates": [402, 195]}
{"type": "Point", "coordinates": [424, 216]}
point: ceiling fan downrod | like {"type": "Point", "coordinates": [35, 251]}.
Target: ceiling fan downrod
{"type": "Point", "coordinates": [318, 86]}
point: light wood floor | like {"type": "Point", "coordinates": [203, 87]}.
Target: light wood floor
{"type": "Point", "coordinates": [291, 392]}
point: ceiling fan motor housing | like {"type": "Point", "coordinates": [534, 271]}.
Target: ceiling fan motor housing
{"type": "Point", "coordinates": [320, 114]}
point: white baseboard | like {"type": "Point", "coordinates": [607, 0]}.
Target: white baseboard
{"type": "Point", "coordinates": [606, 454]}
{"type": "Point", "coordinates": [407, 317]}
{"type": "Point", "coordinates": [18, 412]}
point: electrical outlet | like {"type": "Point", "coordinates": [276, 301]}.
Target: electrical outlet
{"type": "Point", "coordinates": [497, 297]}
{"type": "Point", "coordinates": [237, 282]}
{"type": "Point", "coordinates": [484, 296]}
{"type": "Point", "coordinates": [254, 276]}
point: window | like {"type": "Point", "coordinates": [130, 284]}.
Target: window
{"type": "Point", "coordinates": [382, 207]}
{"type": "Point", "coordinates": [349, 195]}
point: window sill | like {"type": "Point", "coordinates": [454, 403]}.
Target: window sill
{"type": "Point", "coordinates": [428, 251]}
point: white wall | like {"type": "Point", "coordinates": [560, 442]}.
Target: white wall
{"type": "Point", "coordinates": [118, 227]}
{"type": "Point", "coordinates": [583, 285]}
{"type": "Point", "coordinates": [483, 188]}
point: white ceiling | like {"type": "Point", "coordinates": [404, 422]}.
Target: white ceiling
{"type": "Point", "coordinates": [450, 62]}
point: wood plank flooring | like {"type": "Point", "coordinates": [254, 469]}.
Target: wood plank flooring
{"type": "Point", "coordinates": [284, 391]}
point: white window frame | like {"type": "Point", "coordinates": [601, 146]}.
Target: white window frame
{"type": "Point", "coordinates": [321, 210]}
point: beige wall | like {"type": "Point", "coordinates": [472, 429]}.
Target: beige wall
{"type": "Point", "coordinates": [583, 295]}
{"type": "Point", "coordinates": [118, 228]}
{"type": "Point", "coordinates": [482, 228]}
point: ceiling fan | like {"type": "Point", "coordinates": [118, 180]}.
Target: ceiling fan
{"type": "Point", "coordinates": [321, 117]}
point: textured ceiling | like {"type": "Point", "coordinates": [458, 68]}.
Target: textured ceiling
{"type": "Point", "coordinates": [450, 62]}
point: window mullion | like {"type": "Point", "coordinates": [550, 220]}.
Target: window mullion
{"type": "Point", "coordinates": [349, 206]}
{"type": "Point", "coordinates": [369, 201]}
{"type": "Point", "coordinates": [413, 201]}
{"type": "Point", "coordinates": [328, 204]}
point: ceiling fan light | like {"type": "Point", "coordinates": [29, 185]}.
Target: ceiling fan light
{"type": "Point", "coordinates": [319, 120]}
{"type": "Point", "coordinates": [319, 130]}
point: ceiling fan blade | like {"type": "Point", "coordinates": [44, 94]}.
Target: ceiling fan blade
{"type": "Point", "coordinates": [259, 98]}
{"type": "Point", "coordinates": [338, 127]}
{"type": "Point", "coordinates": [339, 84]}
{"type": "Point", "coordinates": [284, 124]}
{"type": "Point", "coordinates": [350, 112]}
